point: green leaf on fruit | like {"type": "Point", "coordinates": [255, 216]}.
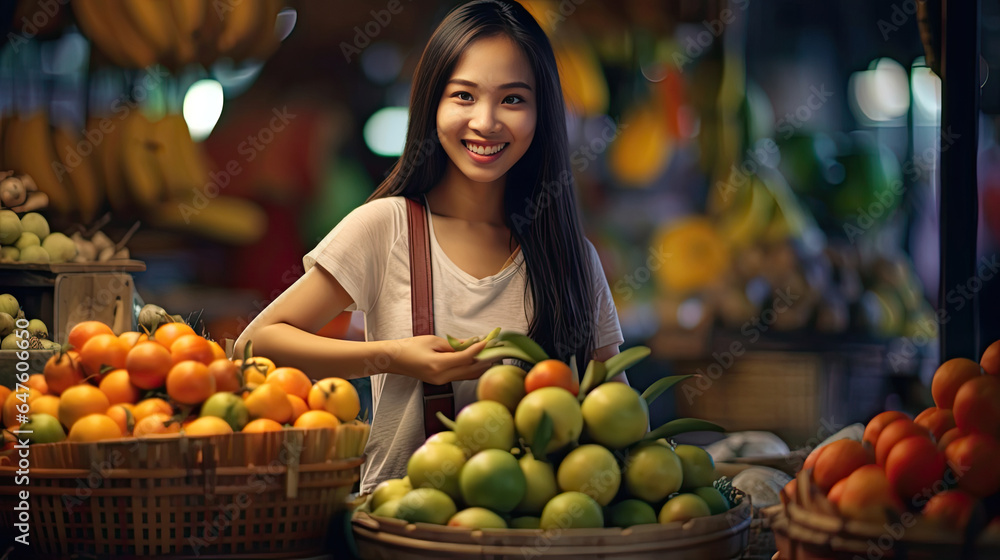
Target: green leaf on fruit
{"type": "Point", "coordinates": [454, 342]}
{"type": "Point", "coordinates": [624, 360]}
{"type": "Point", "coordinates": [448, 422]}
{"type": "Point", "coordinates": [660, 386]}
{"type": "Point", "coordinates": [248, 351]}
{"type": "Point", "coordinates": [530, 347]}
{"type": "Point", "coordinates": [593, 377]}
{"type": "Point", "coordinates": [681, 426]}
{"type": "Point", "coordinates": [492, 334]}
{"type": "Point", "coordinates": [503, 350]}
{"type": "Point", "coordinates": [543, 434]}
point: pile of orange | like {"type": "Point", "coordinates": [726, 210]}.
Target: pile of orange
{"type": "Point", "coordinates": [943, 464]}
{"type": "Point", "coordinates": [110, 386]}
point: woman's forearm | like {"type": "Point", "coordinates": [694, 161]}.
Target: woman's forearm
{"type": "Point", "coordinates": [319, 356]}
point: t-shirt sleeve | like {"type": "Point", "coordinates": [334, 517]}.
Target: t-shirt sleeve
{"type": "Point", "coordinates": [609, 331]}
{"type": "Point", "coordinates": [357, 250]}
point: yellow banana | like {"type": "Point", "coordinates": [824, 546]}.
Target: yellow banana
{"type": "Point", "coordinates": [108, 159]}
{"type": "Point", "coordinates": [150, 18]}
{"type": "Point", "coordinates": [28, 149]}
{"type": "Point", "coordinates": [191, 156]}
{"type": "Point", "coordinates": [227, 219]}
{"type": "Point", "coordinates": [140, 168]}
{"type": "Point", "coordinates": [96, 27]}
{"type": "Point", "coordinates": [185, 20]}
{"type": "Point", "coordinates": [173, 172]}
{"type": "Point", "coordinates": [240, 21]}
{"type": "Point", "coordinates": [267, 40]}
{"type": "Point", "coordinates": [80, 176]}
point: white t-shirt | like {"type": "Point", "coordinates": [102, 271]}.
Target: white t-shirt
{"type": "Point", "coordinates": [368, 253]}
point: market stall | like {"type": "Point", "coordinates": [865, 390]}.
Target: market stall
{"type": "Point", "coordinates": [794, 208]}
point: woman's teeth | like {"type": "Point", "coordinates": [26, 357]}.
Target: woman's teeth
{"type": "Point", "coordinates": [485, 150]}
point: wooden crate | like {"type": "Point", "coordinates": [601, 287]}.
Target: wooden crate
{"type": "Point", "coordinates": [64, 295]}
{"type": "Point", "coordinates": [801, 393]}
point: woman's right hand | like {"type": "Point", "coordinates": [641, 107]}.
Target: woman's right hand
{"type": "Point", "coordinates": [431, 359]}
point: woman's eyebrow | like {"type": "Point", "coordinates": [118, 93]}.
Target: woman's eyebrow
{"type": "Point", "coordinates": [511, 85]}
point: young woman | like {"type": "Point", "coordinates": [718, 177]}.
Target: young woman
{"type": "Point", "coordinates": [486, 153]}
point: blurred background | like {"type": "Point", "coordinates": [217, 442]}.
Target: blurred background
{"type": "Point", "coordinates": [760, 178]}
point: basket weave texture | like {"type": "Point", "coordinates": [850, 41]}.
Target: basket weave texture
{"type": "Point", "coordinates": [238, 495]}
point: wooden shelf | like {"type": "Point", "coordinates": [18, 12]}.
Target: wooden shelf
{"type": "Point", "coordinates": [58, 268]}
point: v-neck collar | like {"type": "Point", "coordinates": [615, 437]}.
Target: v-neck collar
{"type": "Point", "coordinates": [446, 263]}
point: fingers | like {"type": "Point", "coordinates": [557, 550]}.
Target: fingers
{"type": "Point", "coordinates": [470, 371]}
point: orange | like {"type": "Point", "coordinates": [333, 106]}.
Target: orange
{"type": "Point", "coordinates": [550, 373]}
{"type": "Point", "coordinates": [337, 396]}
{"type": "Point", "coordinates": [217, 352]}
{"type": "Point", "coordinates": [14, 401]}
{"type": "Point", "coordinates": [131, 338]}
{"type": "Point", "coordinates": [880, 421]}
{"type": "Point", "coordinates": [156, 424]}
{"type": "Point", "coordinates": [937, 420]}
{"type": "Point", "coordinates": [839, 459]}
{"type": "Point", "coordinates": [990, 362]}
{"type": "Point", "coordinates": [167, 333]}
{"type": "Point", "coordinates": [259, 364]}
{"type": "Point", "coordinates": [977, 406]}
{"type": "Point", "coordinates": [148, 364]}
{"type": "Point", "coordinates": [122, 415]}
{"type": "Point", "coordinates": [118, 388]}
{"type": "Point", "coordinates": [317, 419]}
{"type": "Point", "coordinates": [974, 459]}
{"type": "Point", "coordinates": [94, 427]}
{"type": "Point", "coordinates": [262, 425]}
{"type": "Point", "coordinates": [269, 401]}
{"type": "Point", "coordinates": [4, 393]}
{"type": "Point", "coordinates": [951, 509]}
{"type": "Point", "coordinates": [299, 406]}
{"type": "Point", "coordinates": [914, 467]}
{"type": "Point", "coordinates": [147, 407]}
{"type": "Point", "coordinates": [46, 404]}
{"type": "Point", "coordinates": [837, 491]}
{"type": "Point", "coordinates": [100, 351]}
{"type": "Point", "coordinates": [810, 462]}
{"type": "Point", "coordinates": [62, 371]}
{"type": "Point", "coordinates": [37, 381]}
{"type": "Point", "coordinates": [190, 382]}
{"type": "Point", "coordinates": [252, 380]}
{"type": "Point", "coordinates": [191, 347]}
{"type": "Point", "coordinates": [867, 495]}
{"type": "Point", "coordinates": [893, 434]}
{"type": "Point", "coordinates": [949, 377]}
{"type": "Point", "coordinates": [225, 373]}
{"type": "Point", "coordinates": [207, 426]}
{"type": "Point", "coordinates": [79, 401]}
{"type": "Point", "coordinates": [82, 332]}
{"type": "Point", "coordinates": [292, 380]}
{"type": "Point", "coordinates": [948, 437]}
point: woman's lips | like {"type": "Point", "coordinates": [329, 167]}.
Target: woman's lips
{"type": "Point", "coordinates": [484, 153]}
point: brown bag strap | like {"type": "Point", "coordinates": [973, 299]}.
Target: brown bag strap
{"type": "Point", "coordinates": [436, 397]}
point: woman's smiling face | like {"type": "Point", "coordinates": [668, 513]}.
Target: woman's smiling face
{"type": "Point", "coordinates": [486, 116]}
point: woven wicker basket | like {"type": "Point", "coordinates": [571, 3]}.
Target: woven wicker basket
{"type": "Point", "coordinates": [808, 527]}
{"type": "Point", "coordinates": [723, 536]}
{"type": "Point", "coordinates": [242, 495]}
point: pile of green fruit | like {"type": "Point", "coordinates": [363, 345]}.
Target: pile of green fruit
{"type": "Point", "coordinates": [10, 314]}
{"type": "Point", "coordinates": [544, 449]}
{"type": "Point", "coordinates": [28, 239]}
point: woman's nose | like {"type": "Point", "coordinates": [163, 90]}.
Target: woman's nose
{"type": "Point", "coordinates": [484, 120]}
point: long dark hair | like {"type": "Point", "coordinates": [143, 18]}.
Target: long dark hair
{"type": "Point", "coordinates": [540, 205]}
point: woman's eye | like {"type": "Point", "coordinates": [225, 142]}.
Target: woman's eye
{"type": "Point", "coordinates": [463, 95]}
{"type": "Point", "coordinates": [512, 99]}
